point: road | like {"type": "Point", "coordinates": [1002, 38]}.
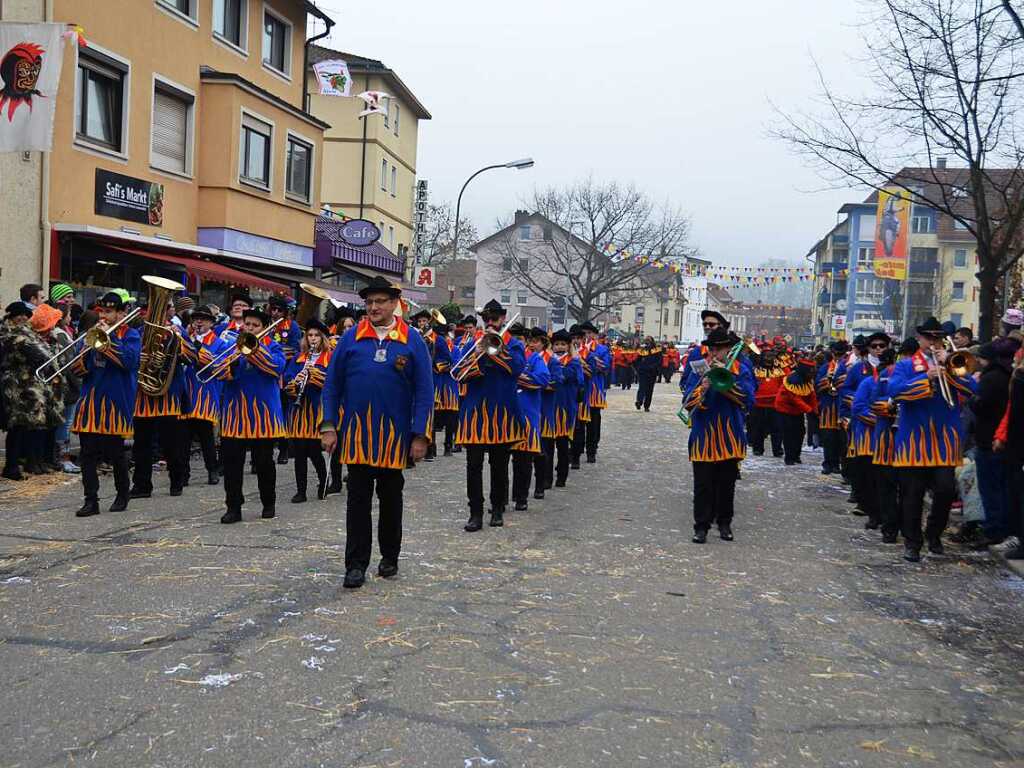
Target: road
{"type": "Point", "coordinates": [587, 632]}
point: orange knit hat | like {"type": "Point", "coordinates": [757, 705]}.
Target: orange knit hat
{"type": "Point", "coordinates": [45, 318]}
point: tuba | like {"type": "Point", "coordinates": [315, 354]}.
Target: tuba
{"type": "Point", "coordinates": [309, 304]}
{"type": "Point", "coordinates": [160, 345]}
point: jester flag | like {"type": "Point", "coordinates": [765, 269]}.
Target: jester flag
{"type": "Point", "coordinates": [333, 78]}
{"type": "Point", "coordinates": [30, 62]}
{"type": "Point", "coordinates": [892, 232]}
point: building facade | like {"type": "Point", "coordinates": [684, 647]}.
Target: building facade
{"type": "Point", "coordinates": [181, 127]}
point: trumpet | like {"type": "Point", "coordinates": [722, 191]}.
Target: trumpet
{"type": "Point", "coordinates": [947, 393]}
{"type": "Point", "coordinates": [96, 339]}
{"type": "Point", "coordinates": [245, 345]}
{"type": "Point", "coordinates": [491, 344]}
{"type": "Point", "coordinates": [960, 362]}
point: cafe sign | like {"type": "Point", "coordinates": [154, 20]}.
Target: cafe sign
{"type": "Point", "coordinates": [129, 199]}
{"type": "Point", "coordinates": [359, 232]}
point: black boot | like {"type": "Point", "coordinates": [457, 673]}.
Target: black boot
{"type": "Point", "coordinates": [475, 523]}
{"type": "Point", "coordinates": [497, 517]}
{"type": "Point", "coordinates": [299, 498]}
{"type": "Point", "coordinates": [88, 509]}
{"type": "Point", "coordinates": [539, 493]}
{"type": "Point", "coordinates": [521, 506]}
{"type": "Point", "coordinates": [321, 487]}
{"type": "Point", "coordinates": [212, 477]}
{"type": "Point", "coordinates": [231, 516]}
{"type": "Point", "coordinates": [120, 503]}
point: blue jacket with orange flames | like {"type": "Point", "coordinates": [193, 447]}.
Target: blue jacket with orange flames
{"type": "Point", "coordinates": [289, 337]}
{"type": "Point", "coordinates": [883, 438]}
{"type": "Point", "coordinates": [250, 402]}
{"type": "Point", "coordinates": [863, 418]}
{"type": "Point", "coordinates": [304, 414]}
{"type": "Point", "coordinates": [177, 400]}
{"type": "Point", "coordinates": [717, 427]}
{"type": "Point", "coordinates": [385, 404]}
{"type": "Point", "coordinates": [828, 378]}
{"type": "Point", "coordinates": [205, 398]}
{"type": "Point", "coordinates": [107, 402]}
{"type": "Point", "coordinates": [600, 360]}
{"type": "Point", "coordinates": [567, 395]}
{"type": "Point", "coordinates": [489, 409]}
{"type": "Point", "coordinates": [930, 431]}
{"type": "Point", "coordinates": [548, 421]}
{"type": "Point", "coordinates": [532, 381]}
{"type": "Point", "coordinates": [853, 375]}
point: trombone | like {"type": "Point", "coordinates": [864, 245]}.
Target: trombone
{"type": "Point", "coordinates": [245, 345]}
{"type": "Point", "coordinates": [96, 340]}
{"type": "Point", "coordinates": [492, 343]}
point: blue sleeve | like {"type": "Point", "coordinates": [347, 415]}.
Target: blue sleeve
{"type": "Point", "coordinates": [540, 374]}
{"type": "Point", "coordinates": [334, 387]}
{"type": "Point", "coordinates": [517, 353]}
{"type": "Point", "coordinates": [291, 370]}
{"type": "Point", "coordinates": [131, 346]}
{"type": "Point", "coordinates": [901, 378]}
{"type": "Point", "coordinates": [864, 397]}
{"type": "Point", "coordinates": [423, 386]}
{"type": "Point", "coordinates": [555, 371]}
{"type": "Point", "coordinates": [748, 386]}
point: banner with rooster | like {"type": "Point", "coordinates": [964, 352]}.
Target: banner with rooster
{"type": "Point", "coordinates": [333, 78]}
{"type": "Point", "coordinates": [30, 63]}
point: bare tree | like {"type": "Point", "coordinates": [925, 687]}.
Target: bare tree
{"type": "Point", "coordinates": [570, 261]}
{"type": "Point", "coordinates": [945, 76]}
{"type": "Point", "coordinates": [436, 245]}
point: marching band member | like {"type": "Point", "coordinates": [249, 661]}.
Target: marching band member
{"type": "Point", "coordinates": [343, 320]}
{"type": "Point", "coordinates": [446, 390]}
{"type": "Point", "coordinates": [600, 361]}
{"type": "Point", "coordinates": [304, 379]}
{"type": "Point", "coordinates": [204, 398]}
{"type": "Point", "coordinates": [229, 329]}
{"type": "Point", "coordinates": [648, 368]}
{"type": "Point", "coordinates": [103, 418]}
{"type": "Point", "coordinates": [566, 399]}
{"type": "Point", "coordinates": [717, 437]}
{"type": "Point", "coordinates": [579, 435]}
{"type": "Point", "coordinates": [765, 421]}
{"type": "Point", "coordinates": [380, 379]}
{"type": "Point", "coordinates": [288, 336]}
{"type": "Point", "coordinates": [882, 483]}
{"type": "Point", "coordinates": [544, 467]}
{"type": "Point", "coordinates": [795, 399]}
{"type": "Point", "coordinates": [489, 417]}
{"type": "Point", "coordinates": [928, 443]}
{"type": "Point", "coordinates": [669, 361]}
{"type": "Point", "coordinates": [863, 419]}
{"type": "Point", "coordinates": [251, 418]}
{"type": "Point", "coordinates": [709, 320]}
{"type": "Point", "coordinates": [828, 383]}
{"type": "Point", "coordinates": [528, 452]}
{"type": "Point", "coordinates": [853, 373]}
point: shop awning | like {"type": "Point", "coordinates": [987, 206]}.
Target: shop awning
{"type": "Point", "coordinates": [208, 270]}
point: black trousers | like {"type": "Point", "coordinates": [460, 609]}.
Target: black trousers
{"type": "Point", "coordinates": [562, 449]}
{"type": "Point", "coordinates": [666, 373]}
{"type": "Point", "coordinates": [626, 377]}
{"type": "Point", "coordinates": [593, 430]}
{"type": "Point", "coordinates": [831, 448]}
{"type": "Point", "coordinates": [232, 453]}
{"type": "Point", "coordinates": [335, 467]}
{"type": "Point", "coordinates": [15, 448]}
{"type": "Point", "coordinates": [547, 445]}
{"type": "Point", "coordinates": [914, 481]}
{"type": "Point", "coordinates": [714, 488]}
{"type": "Point", "coordinates": [301, 450]}
{"type": "Point", "coordinates": [886, 481]}
{"type": "Point", "coordinates": [109, 448]}
{"type": "Point", "coordinates": [645, 390]}
{"type": "Point", "coordinates": [362, 482]}
{"type": "Point", "coordinates": [202, 430]}
{"type": "Point", "coordinates": [527, 467]}
{"type": "Point", "coordinates": [497, 456]}
{"type": "Point", "coordinates": [792, 436]}
{"type": "Point", "coordinates": [813, 439]}
{"type": "Point", "coordinates": [168, 432]}
{"type": "Point", "coordinates": [765, 422]}
{"type": "Point", "coordinates": [861, 477]}
{"type": "Point", "coordinates": [449, 422]}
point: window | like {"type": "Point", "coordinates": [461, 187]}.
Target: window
{"type": "Point", "coordinates": [957, 318]}
{"type": "Point", "coordinates": [505, 296]}
{"type": "Point", "coordinates": [922, 224]}
{"type": "Point", "coordinates": [298, 168]}
{"type": "Point", "coordinates": [398, 115]}
{"type": "Point", "coordinates": [387, 113]}
{"type": "Point", "coordinates": [960, 257]}
{"type": "Point", "coordinates": [524, 231]}
{"type": "Point", "coordinates": [384, 175]}
{"type": "Point", "coordinates": [524, 264]}
{"type": "Point", "coordinates": [100, 101]}
{"type": "Point", "coordinates": [230, 20]}
{"type": "Point", "coordinates": [521, 298]}
{"type": "Point", "coordinates": [531, 321]}
{"type": "Point", "coordinates": [506, 265]}
{"type": "Point", "coordinates": [394, 180]}
{"type": "Point", "coordinates": [186, 8]}
{"type": "Point", "coordinates": [171, 140]}
{"type": "Point", "coordinates": [675, 317]}
{"type": "Point", "coordinates": [391, 238]}
{"type": "Point", "coordinates": [865, 259]}
{"type": "Point", "coordinates": [547, 233]}
{"type": "Point", "coordinates": [958, 291]}
{"type": "Point", "coordinates": [277, 42]}
{"type": "Point", "coordinates": [256, 143]}
{"type": "Point", "coordinates": [638, 313]}
{"type": "Point", "coordinates": [664, 318]}
{"type": "Point", "coordinates": [468, 292]}
{"type": "Point", "coordinates": [959, 225]}
{"type": "Point", "coordinates": [869, 290]}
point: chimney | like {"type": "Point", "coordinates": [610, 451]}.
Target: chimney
{"type": "Point", "coordinates": [522, 216]}
{"type": "Point", "coordinates": [940, 163]}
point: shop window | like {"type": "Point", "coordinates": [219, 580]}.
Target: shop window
{"type": "Point", "coordinates": [171, 142]}
{"type": "Point", "coordinates": [277, 42]}
{"type": "Point", "coordinates": [298, 171]}
{"type": "Point", "coordinates": [100, 101]}
{"type": "Point", "coordinates": [256, 143]}
{"type": "Point", "coordinates": [230, 22]}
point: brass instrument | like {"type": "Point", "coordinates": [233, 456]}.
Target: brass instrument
{"type": "Point", "coordinates": [309, 304]}
{"type": "Point", "coordinates": [720, 376]}
{"type": "Point", "coordinates": [96, 340]}
{"type": "Point", "coordinates": [160, 345]}
{"type": "Point", "coordinates": [245, 345]}
{"type": "Point", "coordinates": [947, 393]}
{"type": "Point", "coordinates": [959, 362]}
{"type": "Point", "coordinates": [491, 343]}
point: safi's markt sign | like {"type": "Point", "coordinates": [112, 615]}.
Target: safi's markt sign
{"type": "Point", "coordinates": [360, 232]}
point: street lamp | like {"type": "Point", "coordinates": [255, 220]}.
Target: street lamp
{"type": "Point", "coordinates": [520, 165]}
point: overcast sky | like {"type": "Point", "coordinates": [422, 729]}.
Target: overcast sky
{"type": "Point", "coordinates": [672, 96]}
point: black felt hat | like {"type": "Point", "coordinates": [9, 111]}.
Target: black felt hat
{"type": "Point", "coordinates": [110, 300]}
{"type": "Point", "coordinates": [575, 331]}
{"type": "Point", "coordinates": [378, 284]}
{"type": "Point", "coordinates": [469, 320]}
{"type": "Point", "coordinates": [561, 335]}
{"type": "Point", "coordinates": [422, 313]}
{"type": "Point", "coordinates": [259, 314]}
{"type": "Point", "coordinates": [19, 309]}
{"type": "Point", "coordinates": [588, 326]}
{"type": "Point", "coordinates": [492, 307]}
{"type": "Point", "coordinates": [931, 327]}
{"type": "Point", "coordinates": [279, 302]}
{"type": "Point", "coordinates": [538, 333]}
{"type": "Point", "coordinates": [909, 346]}
{"type": "Point", "coordinates": [205, 312]}
{"type": "Point", "coordinates": [859, 342]}
{"type": "Point", "coordinates": [517, 329]}
{"type": "Point", "coordinates": [720, 337]}
{"type": "Point", "coordinates": [878, 336]}
{"type": "Point", "coordinates": [315, 324]}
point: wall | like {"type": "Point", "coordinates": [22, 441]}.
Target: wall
{"type": "Point", "coordinates": [21, 247]}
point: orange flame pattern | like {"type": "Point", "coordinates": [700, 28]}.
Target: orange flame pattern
{"type": "Point", "coordinates": [380, 446]}
{"type": "Point", "coordinates": [598, 399]}
{"type": "Point", "coordinates": [928, 446]}
{"type": "Point", "coordinates": [860, 445]}
{"type": "Point", "coordinates": [885, 449]}
{"type": "Point", "coordinates": [206, 407]}
{"type": "Point", "coordinates": [97, 415]}
{"type": "Point", "coordinates": [446, 399]}
{"type": "Point", "coordinates": [148, 407]}
{"type": "Point", "coordinates": [481, 426]}
{"type": "Point", "coordinates": [304, 420]}
{"type": "Point", "coordinates": [828, 416]}
{"type": "Point", "coordinates": [242, 418]}
{"type": "Point", "coordinates": [716, 442]}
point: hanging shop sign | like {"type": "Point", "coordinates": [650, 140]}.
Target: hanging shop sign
{"type": "Point", "coordinates": [360, 232]}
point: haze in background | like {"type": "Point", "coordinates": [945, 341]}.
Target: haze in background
{"type": "Point", "coordinates": [672, 96]}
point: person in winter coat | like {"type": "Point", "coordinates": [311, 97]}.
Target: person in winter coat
{"type": "Point", "coordinates": [1009, 441]}
{"type": "Point", "coordinates": [988, 407]}
{"type": "Point", "coordinates": [44, 322]}
{"type": "Point", "coordinates": [24, 395]}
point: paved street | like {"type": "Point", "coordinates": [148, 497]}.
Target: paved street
{"type": "Point", "coordinates": [587, 632]}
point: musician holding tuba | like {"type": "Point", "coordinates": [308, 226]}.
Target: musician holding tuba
{"type": "Point", "coordinates": [304, 379]}
{"type": "Point", "coordinates": [108, 366]}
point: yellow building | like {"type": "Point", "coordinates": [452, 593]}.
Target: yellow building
{"type": "Point", "coordinates": [369, 165]}
{"type": "Point", "coordinates": [181, 146]}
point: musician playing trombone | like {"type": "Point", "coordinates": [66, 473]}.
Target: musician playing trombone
{"type": "Point", "coordinates": [717, 435]}
{"type": "Point", "coordinates": [928, 444]}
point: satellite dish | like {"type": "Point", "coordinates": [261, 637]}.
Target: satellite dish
{"type": "Point", "coordinates": [841, 305]}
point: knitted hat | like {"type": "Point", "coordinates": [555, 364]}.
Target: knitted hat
{"type": "Point", "coordinates": [45, 318]}
{"type": "Point", "coordinates": [60, 291]}
{"type": "Point", "coordinates": [184, 304]}
{"type": "Point", "coordinates": [1013, 317]}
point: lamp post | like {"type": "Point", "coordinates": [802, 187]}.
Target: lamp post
{"type": "Point", "coordinates": [526, 162]}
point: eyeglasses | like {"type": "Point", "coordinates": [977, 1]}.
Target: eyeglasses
{"type": "Point", "coordinates": [711, 324]}
{"type": "Point", "coordinates": [879, 345]}
{"type": "Point", "coordinates": [378, 302]}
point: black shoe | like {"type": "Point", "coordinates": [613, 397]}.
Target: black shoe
{"type": "Point", "coordinates": [334, 487]}
{"type": "Point", "coordinates": [725, 532]}
{"type": "Point", "coordinates": [447, 451]}
{"type": "Point", "coordinates": [700, 537]}
{"type": "Point", "coordinates": [354, 578]}
{"type": "Point", "coordinates": [212, 478]}
{"type": "Point", "coordinates": [135, 493]}
{"type": "Point", "coordinates": [935, 547]}
{"type": "Point", "coordinates": [430, 458]}
{"type": "Point", "coordinates": [574, 465]}
{"type": "Point", "coordinates": [591, 459]}
{"type": "Point", "coordinates": [548, 485]}
{"type": "Point", "coordinates": [647, 410]}
{"type": "Point", "coordinates": [638, 406]}
{"type": "Point", "coordinates": [184, 481]}
{"type": "Point", "coordinates": [298, 498]}
{"type": "Point", "coordinates": [321, 488]}
{"type": "Point", "coordinates": [282, 457]}
{"type": "Point", "coordinates": [826, 470]}
{"type": "Point", "coordinates": [231, 516]}
{"type": "Point", "coordinates": [890, 538]}
{"type": "Point", "coordinates": [120, 504]}
{"type": "Point", "coordinates": [497, 518]}
{"type": "Point", "coordinates": [538, 494]}
{"type": "Point", "coordinates": [387, 569]}
{"type": "Point", "coordinates": [268, 513]}
{"type": "Point", "coordinates": [759, 453]}
{"type": "Point", "coordinates": [858, 512]}
{"type": "Point", "coordinates": [88, 509]}
{"type": "Point", "coordinates": [852, 498]}
{"type": "Point", "coordinates": [13, 473]}
{"type": "Point", "coordinates": [520, 507]}
{"type": "Point", "coordinates": [457, 449]}
{"type": "Point", "coordinates": [475, 523]}
{"type": "Point", "coordinates": [175, 490]}
{"type": "Point", "coordinates": [789, 462]}
{"type": "Point", "coordinates": [777, 455]}
{"type": "Point", "coordinates": [872, 525]}
{"type": "Point", "coordinates": [559, 483]}
{"type": "Point", "coordinates": [912, 555]}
